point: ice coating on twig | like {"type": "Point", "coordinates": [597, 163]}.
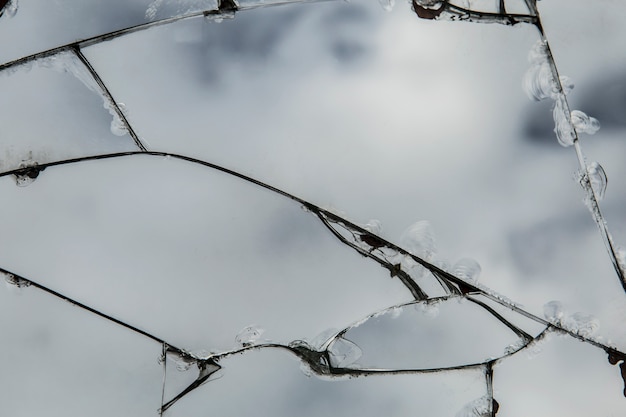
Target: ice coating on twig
{"type": "Point", "coordinates": [249, 335]}
{"type": "Point", "coordinates": [582, 324]}
{"type": "Point", "coordinates": [583, 123]}
{"type": "Point", "coordinates": [467, 269]}
{"type": "Point", "coordinates": [68, 62]}
{"type": "Point", "coordinates": [10, 9]}
{"type": "Point", "coordinates": [152, 10]}
{"type": "Point", "coordinates": [597, 179]}
{"type": "Point", "coordinates": [562, 123]}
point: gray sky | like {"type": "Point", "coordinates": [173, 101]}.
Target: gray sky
{"type": "Point", "coordinates": [371, 114]}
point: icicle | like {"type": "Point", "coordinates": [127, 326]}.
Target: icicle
{"type": "Point", "coordinates": [553, 312]}
{"type": "Point", "coordinates": [583, 123]}
{"type": "Point", "coordinates": [249, 335]}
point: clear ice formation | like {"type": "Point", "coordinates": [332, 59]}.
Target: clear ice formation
{"type": "Point", "coordinates": [481, 407]}
{"type": "Point", "coordinates": [467, 269]}
{"type": "Point", "coordinates": [418, 240]}
{"type": "Point", "coordinates": [584, 124]}
{"type": "Point", "coordinates": [582, 324]}
{"type": "Point", "coordinates": [387, 5]}
{"type": "Point", "coordinates": [553, 311]}
{"type": "Point", "coordinates": [343, 353]}
{"type": "Point", "coordinates": [68, 62]}
{"type": "Point", "coordinates": [597, 179]}
{"type": "Point", "coordinates": [10, 9]}
{"type": "Point", "coordinates": [249, 335]}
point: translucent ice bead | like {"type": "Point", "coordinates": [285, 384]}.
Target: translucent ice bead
{"type": "Point", "coordinates": [553, 311]}
{"type": "Point", "coordinates": [583, 123]}
{"type": "Point", "coordinates": [249, 335]}
{"type": "Point", "coordinates": [597, 179]}
{"type": "Point", "coordinates": [419, 240]}
{"type": "Point", "coordinates": [343, 353]}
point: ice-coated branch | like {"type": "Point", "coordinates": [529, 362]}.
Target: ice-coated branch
{"type": "Point", "coordinates": [566, 130]}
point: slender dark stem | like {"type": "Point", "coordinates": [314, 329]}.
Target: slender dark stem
{"type": "Point", "coordinates": [108, 97]}
{"type": "Point", "coordinates": [87, 308]}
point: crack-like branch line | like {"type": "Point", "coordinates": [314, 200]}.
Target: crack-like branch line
{"type": "Point", "coordinates": [108, 97]}
{"type": "Point", "coordinates": [318, 361]}
{"type": "Point", "coordinates": [94, 40]}
{"type": "Point", "coordinates": [163, 358]}
{"type": "Point", "coordinates": [465, 286]}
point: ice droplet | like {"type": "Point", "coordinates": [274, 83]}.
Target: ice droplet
{"type": "Point", "coordinates": [249, 335]}
{"type": "Point", "coordinates": [387, 4]}
{"type": "Point", "coordinates": [553, 311]}
{"type": "Point", "coordinates": [374, 226]}
{"type": "Point", "coordinates": [514, 347]}
{"type": "Point", "coordinates": [583, 123]}
{"type": "Point", "coordinates": [562, 123]}
{"type": "Point", "coordinates": [118, 127]}
{"type": "Point", "coordinates": [480, 407]}
{"type": "Point", "coordinates": [28, 175]}
{"type": "Point", "coordinates": [467, 269]}
{"type": "Point", "coordinates": [582, 324]}
{"type": "Point", "coordinates": [343, 353]}
{"type": "Point", "coordinates": [10, 9]}
{"type": "Point", "coordinates": [567, 84]}
{"type": "Point", "coordinates": [538, 82]}
{"type": "Point", "coordinates": [419, 240]}
{"type": "Point", "coordinates": [597, 179]}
